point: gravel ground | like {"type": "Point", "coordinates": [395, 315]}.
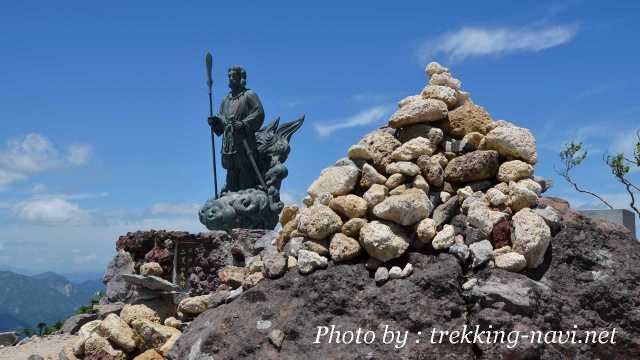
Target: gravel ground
{"type": "Point", "coordinates": [48, 347]}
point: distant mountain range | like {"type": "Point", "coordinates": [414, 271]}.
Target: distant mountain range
{"type": "Point", "coordinates": [48, 297]}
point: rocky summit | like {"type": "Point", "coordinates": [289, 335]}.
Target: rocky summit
{"type": "Point", "coordinates": [433, 222]}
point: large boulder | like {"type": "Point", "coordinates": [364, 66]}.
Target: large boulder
{"type": "Point", "coordinates": [8, 338]}
{"type": "Point", "coordinates": [349, 298]}
{"type": "Point", "coordinates": [514, 142]}
{"type": "Point", "coordinates": [407, 208]}
{"type": "Point", "coordinates": [117, 288]}
{"type": "Point", "coordinates": [473, 166]}
{"type": "Point", "coordinates": [118, 332]}
{"type": "Point", "coordinates": [75, 322]}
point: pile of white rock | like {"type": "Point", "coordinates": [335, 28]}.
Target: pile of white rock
{"type": "Point", "coordinates": [442, 175]}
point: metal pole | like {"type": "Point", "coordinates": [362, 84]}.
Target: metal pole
{"type": "Point", "coordinates": [209, 64]}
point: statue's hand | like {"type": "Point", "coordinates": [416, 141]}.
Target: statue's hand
{"type": "Point", "coordinates": [237, 125]}
{"type": "Point", "coordinates": [214, 121]}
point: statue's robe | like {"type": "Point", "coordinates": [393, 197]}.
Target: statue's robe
{"type": "Point", "coordinates": [246, 108]}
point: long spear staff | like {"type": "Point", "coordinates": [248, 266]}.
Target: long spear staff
{"type": "Point", "coordinates": [209, 63]}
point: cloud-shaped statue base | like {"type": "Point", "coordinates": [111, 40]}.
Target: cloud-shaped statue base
{"type": "Point", "coordinates": [249, 209]}
{"type": "Point", "coordinates": [256, 208]}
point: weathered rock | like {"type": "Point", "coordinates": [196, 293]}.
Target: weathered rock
{"type": "Point", "coordinates": [292, 247]}
{"type": "Point", "coordinates": [233, 276]}
{"type": "Point", "coordinates": [394, 181]}
{"type": "Point", "coordinates": [465, 119]}
{"type": "Point", "coordinates": [118, 289]}
{"type": "Point", "coordinates": [434, 68]}
{"type": "Point", "coordinates": [131, 312]}
{"type": "Point", "coordinates": [496, 197]}
{"type": "Point", "coordinates": [382, 275]}
{"type": "Point", "coordinates": [352, 227]}
{"type": "Point", "coordinates": [320, 247]}
{"type": "Point", "coordinates": [308, 261]}
{"type": "Point", "coordinates": [154, 335]}
{"type": "Point", "coordinates": [444, 212]}
{"type": "Point", "coordinates": [398, 190]}
{"type": "Point", "coordinates": [473, 166]}
{"type": "Point", "coordinates": [407, 208]}
{"type": "Point", "coordinates": [461, 251]}
{"type": "Point", "coordinates": [384, 240]}
{"type": "Point", "coordinates": [432, 170]}
{"type": "Point", "coordinates": [275, 264]}
{"type": "Point", "coordinates": [551, 217]}
{"type": "Point", "coordinates": [150, 282]}
{"type": "Point", "coordinates": [532, 185]}
{"type": "Point", "coordinates": [513, 142]}
{"type": "Point", "coordinates": [395, 272]}
{"type": "Point", "coordinates": [520, 197]}
{"type": "Point", "coordinates": [173, 322]}
{"type": "Point", "coordinates": [501, 234]}
{"type": "Point", "coordinates": [371, 176]}
{"type": "Point", "coordinates": [530, 237]}
{"type": "Point", "coordinates": [343, 248]}
{"type": "Point", "coordinates": [408, 99]}
{"type": "Point", "coordinates": [151, 268]}
{"type": "Point", "coordinates": [445, 79]}
{"type": "Point", "coordinates": [417, 112]}
{"type": "Point", "coordinates": [516, 292]}
{"type": "Point", "coordinates": [350, 206]}
{"type": "Point", "coordinates": [359, 152]}
{"type": "Point", "coordinates": [150, 354]}
{"type": "Point", "coordinates": [419, 182]}
{"type": "Point", "coordinates": [319, 222]}
{"type": "Point", "coordinates": [288, 213]}
{"type": "Point", "coordinates": [444, 196]}
{"type": "Point", "coordinates": [73, 324]}
{"type": "Point", "coordinates": [102, 310]}
{"type": "Point", "coordinates": [412, 149]}
{"type": "Point", "coordinates": [403, 167]}
{"type": "Point", "coordinates": [8, 338]}
{"type": "Point", "coordinates": [380, 144]}
{"type": "Point", "coordinates": [483, 218]}
{"type": "Point", "coordinates": [511, 261]}
{"type": "Point", "coordinates": [118, 333]}
{"type": "Point", "coordinates": [425, 232]}
{"type": "Point", "coordinates": [514, 170]}
{"type": "Point", "coordinates": [97, 347]}
{"type": "Point", "coordinates": [432, 133]}
{"type": "Point", "coordinates": [335, 180]}
{"type": "Point", "coordinates": [482, 252]}
{"type": "Point", "coordinates": [253, 279]}
{"type": "Point", "coordinates": [444, 238]}
{"type": "Point", "coordinates": [439, 92]}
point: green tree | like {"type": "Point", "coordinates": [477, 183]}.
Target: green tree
{"type": "Point", "coordinates": [26, 332]}
{"type": "Point", "coordinates": [42, 326]}
{"type": "Point", "coordinates": [619, 164]}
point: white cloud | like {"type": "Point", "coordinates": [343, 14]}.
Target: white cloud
{"type": "Point", "coordinates": [174, 209]}
{"type": "Point", "coordinates": [33, 154]}
{"type": "Point", "coordinates": [626, 142]}
{"type": "Point", "coordinates": [292, 197]}
{"type": "Point", "coordinates": [477, 41]}
{"type": "Point", "coordinates": [38, 188]}
{"type": "Point", "coordinates": [50, 211]}
{"type": "Point", "coordinates": [365, 117]}
{"type": "Point", "coordinates": [85, 259]}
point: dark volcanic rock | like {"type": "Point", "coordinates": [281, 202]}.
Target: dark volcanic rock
{"type": "Point", "coordinates": [343, 295]}
{"type": "Point", "coordinates": [590, 278]}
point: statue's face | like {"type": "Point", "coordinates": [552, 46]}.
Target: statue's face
{"type": "Point", "coordinates": [235, 80]}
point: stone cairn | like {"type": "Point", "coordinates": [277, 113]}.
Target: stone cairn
{"type": "Point", "coordinates": [442, 176]}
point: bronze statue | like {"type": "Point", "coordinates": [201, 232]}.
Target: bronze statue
{"type": "Point", "coordinates": [253, 157]}
{"type": "Point", "coordinates": [241, 115]}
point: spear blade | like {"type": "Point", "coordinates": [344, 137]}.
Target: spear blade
{"type": "Point", "coordinates": [209, 62]}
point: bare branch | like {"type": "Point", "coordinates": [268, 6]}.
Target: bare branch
{"type": "Point", "coordinates": [572, 156]}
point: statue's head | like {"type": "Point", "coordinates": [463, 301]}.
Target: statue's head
{"type": "Point", "coordinates": [237, 78]}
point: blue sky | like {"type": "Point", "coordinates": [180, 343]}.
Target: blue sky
{"type": "Point", "coordinates": [103, 109]}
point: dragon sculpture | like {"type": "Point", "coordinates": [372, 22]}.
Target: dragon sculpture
{"type": "Point", "coordinates": [256, 208]}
